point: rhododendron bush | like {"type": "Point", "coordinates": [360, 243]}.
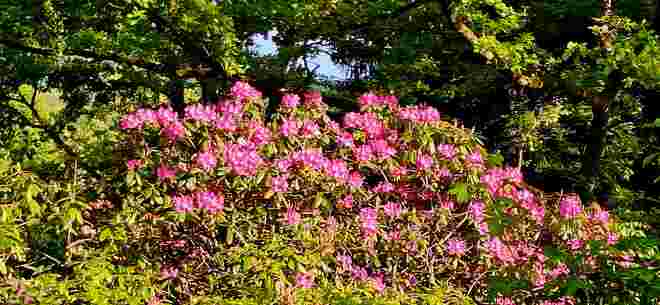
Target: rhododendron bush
{"type": "Point", "coordinates": [388, 199]}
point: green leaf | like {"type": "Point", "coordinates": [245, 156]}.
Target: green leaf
{"type": "Point", "coordinates": [571, 286]}
{"type": "Point", "coordinates": [33, 205]}
{"type": "Point", "coordinates": [460, 190]}
{"type": "Point", "coordinates": [106, 234]}
{"type": "Point", "coordinates": [230, 235]}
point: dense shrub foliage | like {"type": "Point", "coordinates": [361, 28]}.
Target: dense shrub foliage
{"type": "Point", "coordinates": [227, 205]}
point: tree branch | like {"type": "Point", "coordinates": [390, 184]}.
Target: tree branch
{"type": "Point", "coordinates": [131, 61]}
{"type": "Point", "coordinates": [401, 12]}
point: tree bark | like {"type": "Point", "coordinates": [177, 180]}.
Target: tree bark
{"type": "Point", "coordinates": [599, 109]}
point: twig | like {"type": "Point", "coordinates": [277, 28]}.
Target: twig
{"type": "Point", "coordinates": [475, 283]}
{"type": "Point", "coordinates": [77, 242]}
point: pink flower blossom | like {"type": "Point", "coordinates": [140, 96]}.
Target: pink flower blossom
{"type": "Point", "coordinates": [383, 187]}
{"type": "Point", "coordinates": [200, 113]}
{"type": "Point", "coordinates": [174, 131]}
{"type": "Point", "coordinates": [500, 251]}
{"type": "Point", "coordinates": [424, 161]}
{"type": "Point", "coordinates": [363, 153]}
{"type": "Point", "coordinates": [310, 129]}
{"type": "Point", "coordinates": [346, 202]}
{"type": "Point", "coordinates": [447, 151]}
{"type": "Point", "coordinates": [130, 121]}
{"type": "Point", "coordinates": [291, 101]}
{"type": "Point", "coordinates": [475, 159]}
{"type": "Point", "coordinates": [455, 247]}
{"type": "Point", "coordinates": [345, 263]}
{"type": "Point", "coordinates": [393, 236]}
{"type": "Point", "coordinates": [447, 204]}
{"type": "Point", "coordinates": [283, 165]}
{"type": "Point", "coordinates": [369, 221]}
{"type": "Point", "coordinates": [313, 99]}
{"type": "Point", "coordinates": [570, 207]}
{"type": "Point", "coordinates": [242, 90]}
{"type": "Point", "coordinates": [419, 114]}
{"type": "Point", "coordinates": [392, 209]}
{"type": "Point", "coordinates": [280, 184]}
{"type": "Point", "coordinates": [260, 135]}
{"type": "Point", "coordinates": [206, 160]}
{"type": "Point", "coordinates": [500, 300]}
{"type": "Point", "coordinates": [442, 174]}
{"type": "Point", "coordinates": [575, 244]}
{"type": "Point", "coordinates": [367, 100]}
{"type": "Point", "coordinates": [355, 180]}
{"type": "Point", "coordinates": [289, 127]}
{"type": "Point", "coordinates": [242, 159]}
{"type": "Point", "coordinates": [226, 122]}
{"type": "Point", "coordinates": [560, 270]}
{"type": "Point", "coordinates": [345, 139]}
{"type": "Point", "coordinates": [210, 201]}
{"type": "Point", "coordinates": [337, 169]}
{"type": "Point", "coordinates": [378, 283]}
{"type": "Point", "coordinates": [601, 216]}
{"type": "Point", "coordinates": [612, 239]}
{"type": "Point", "coordinates": [134, 164]}
{"type": "Point", "coordinates": [304, 280]}
{"type": "Point", "coordinates": [169, 272]}
{"type": "Point", "coordinates": [292, 216]}
{"type": "Point", "coordinates": [164, 172]}
{"type": "Point", "coordinates": [311, 157]}
{"type": "Point", "coordinates": [382, 150]}
{"type": "Point", "coordinates": [183, 204]}
{"type": "Point", "coordinates": [477, 209]}
{"type": "Point", "coordinates": [166, 116]}
{"type": "Point", "coordinates": [359, 273]}
{"type": "Point", "coordinates": [146, 116]}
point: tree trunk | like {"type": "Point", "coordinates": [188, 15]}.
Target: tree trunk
{"type": "Point", "coordinates": [176, 96]}
{"type": "Point", "coordinates": [648, 11]}
{"type": "Point", "coordinates": [596, 142]}
{"type": "Point", "coordinates": [599, 110]}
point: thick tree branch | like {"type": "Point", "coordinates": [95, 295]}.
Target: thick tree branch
{"type": "Point", "coordinates": [400, 12]}
{"type": "Point", "coordinates": [132, 61]}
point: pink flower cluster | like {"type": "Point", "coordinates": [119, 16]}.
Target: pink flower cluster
{"type": "Point", "coordinates": [289, 127]}
{"type": "Point", "coordinates": [561, 301]}
{"type": "Point", "coordinates": [408, 176]}
{"type": "Point", "coordinates": [243, 90]}
{"type": "Point", "coordinates": [164, 118]}
{"type": "Point", "coordinates": [206, 160]}
{"type": "Point", "coordinates": [477, 210]}
{"type": "Point", "coordinates": [345, 265]}
{"type": "Point", "coordinates": [570, 207]}
{"type": "Point", "coordinates": [259, 134]}
{"type": "Point", "coordinates": [242, 159]}
{"type": "Point", "coordinates": [201, 113]}
{"type": "Point", "coordinates": [290, 101]}
{"type": "Point", "coordinates": [455, 247]}
{"type": "Point", "coordinates": [367, 122]}
{"type": "Point", "coordinates": [313, 100]}
{"type": "Point", "coordinates": [280, 184]}
{"type": "Point", "coordinates": [292, 216]}
{"type": "Point", "coordinates": [371, 100]}
{"type": "Point", "coordinates": [304, 280]}
{"type": "Point", "coordinates": [369, 222]}
{"type": "Point", "coordinates": [447, 151]}
{"type": "Point", "coordinates": [134, 164]}
{"type": "Point", "coordinates": [500, 300]}
{"type": "Point", "coordinates": [209, 201]}
{"type": "Point", "coordinates": [393, 209]}
{"type": "Point", "coordinates": [419, 114]}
